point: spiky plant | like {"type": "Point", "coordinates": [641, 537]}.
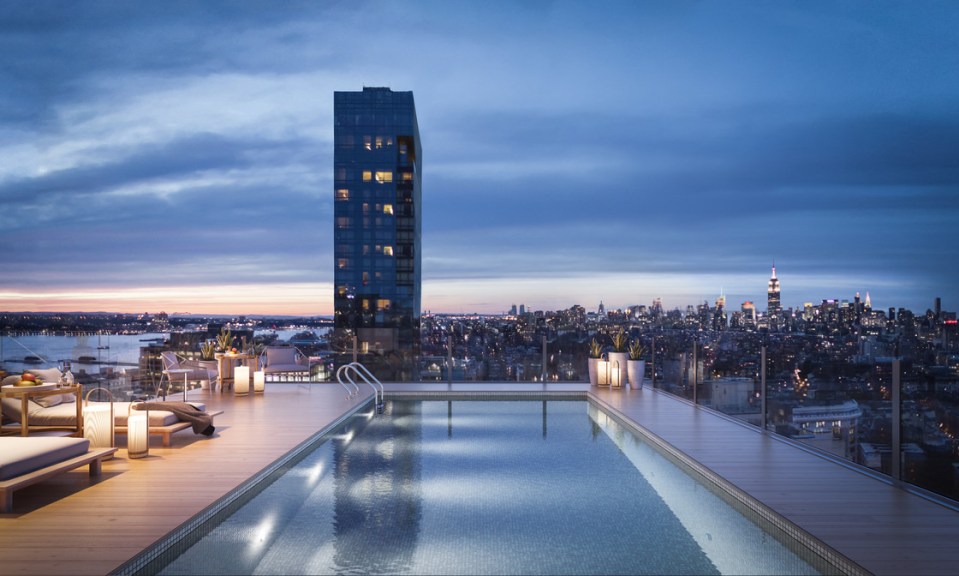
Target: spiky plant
{"type": "Point", "coordinates": [636, 350]}
{"type": "Point", "coordinates": [595, 350]}
{"type": "Point", "coordinates": [620, 341]}
{"type": "Point", "coordinates": [224, 340]}
{"type": "Point", "coordinates": [207, 349]}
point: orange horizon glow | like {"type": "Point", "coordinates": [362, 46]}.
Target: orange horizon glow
{"type": "Point", "coordinates": [304, 299]}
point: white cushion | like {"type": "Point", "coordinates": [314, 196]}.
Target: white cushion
{"type": "Point", "coordinates": [19, 456]}
{"type": "Point", "coordinates": [48, 375]}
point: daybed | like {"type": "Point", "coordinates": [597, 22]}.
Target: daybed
{"type": "Point", "coordinates": [61, 412]}
{"type": "Point", "coordinates": [61, 416]}
{"type": "Point", "coordinates": [26, 461]}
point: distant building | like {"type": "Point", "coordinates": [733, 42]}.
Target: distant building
{"type": "Point", "coordinates": [774, 305]}
{"type": "Point", "coordinates": [377, 209]}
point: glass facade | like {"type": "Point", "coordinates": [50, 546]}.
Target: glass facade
{"type": "Point", "coordinates": [377, 214]}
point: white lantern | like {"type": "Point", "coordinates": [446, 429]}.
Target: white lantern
{"type": "Point", "coordinates": [138, 433]}
{"type": "Point", "coordinates": [602, 373]}
{"type": "Point", "coordinates": [259, 381]}
{"type": "Point", "coordinates": [615, 374]}
{"type": "Point", "coordinates": [241, 380]}
{"type": "Point", "coordinates": [98, 421]}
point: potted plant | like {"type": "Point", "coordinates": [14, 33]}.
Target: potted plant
{"type": "Point", "coordinates": [224, 340]}
{"type": "Point", "coordinates": [617, 359]}
{"type": "Point", "coordinates": [636, 366]}
{"type": "Point", "coordinates": [595, 354]}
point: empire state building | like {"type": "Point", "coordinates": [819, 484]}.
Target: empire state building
{"type": "Point", "coordinates": [774, 306]}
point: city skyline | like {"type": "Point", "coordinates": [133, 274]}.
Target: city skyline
{"type": "Point", "coordinates": [178, 157]}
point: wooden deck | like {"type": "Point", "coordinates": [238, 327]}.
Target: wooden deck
{"type": "Point", "coordinates": [75, 525]}
{"type": "Point", "coordinates": [72, 525]}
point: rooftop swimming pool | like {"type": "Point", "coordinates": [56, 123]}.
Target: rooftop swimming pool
{"type": "Point", "coordinates": [484, 487]}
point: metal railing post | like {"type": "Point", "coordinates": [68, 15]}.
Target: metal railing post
{"type": "Point", "coordinates": [544, 360]}
{"type": "Point", "coordinates": [896, 456]}
{"type": "Point", "coordinates": [652, 364]}
{"type": "Point", "coordinates": [762, 387]}
{"type": "Point", "coordinates": [695, 374]}
{"type": "Point", "coordinates": [449, 360]}
{"type": "Point", "coordinates": [354, 348]}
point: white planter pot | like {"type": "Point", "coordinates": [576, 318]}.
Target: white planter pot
{"type": "Point", "coordinates": [617, 369]}
{"type": "Point", "coordinates": [593, 381]}
{"type": "Point", "coordinates": [637, 371]}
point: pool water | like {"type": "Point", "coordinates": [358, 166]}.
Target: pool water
{"type": "Point", "coordinates": [487, 487]}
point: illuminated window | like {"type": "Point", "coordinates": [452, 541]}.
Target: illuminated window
{"type": "Point", "coordinates": [342, 194]}
{"type": "Point", "coordinates": [368, 175]}
{"type": "Point", "coordinates": [366, 143]}
{"type": "Point", "coordinates": [388, 250]}
{"type": "Point", "coordinates": [377, 248]}
{"type": "Point", "coordinates": [366, 304]}
{"type": "Point", "coordinates": [343, 222]}
{"type": "Point", "coordinates": [383, 304]}
{"type": "Point", "coordinates": [379, 142]}
{"type": "Point", "coordinates": [388, 209]}
{"type": "Point", "coordinates": [341, 290]}
{"type": "Point", "coordinates": [366, 278]}
{"type": "Point", "coordinates": [389, 140]}
{"type": "Point", "coordinates": [407, 176]}
{"type": "Point", "coordinates": [366, 208]}
{"type": "Point", "coordinates": [342, 263]}
{"type": "Point", "coordinates": [403, 148]}
{"type": "Point", "coordinates": [382, 176]}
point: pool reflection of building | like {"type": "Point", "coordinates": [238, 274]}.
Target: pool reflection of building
{"type": "Point", "coordinates": [391, 511]}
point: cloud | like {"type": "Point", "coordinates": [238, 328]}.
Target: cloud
{"type": "Point", "coordinates": [668, 148]}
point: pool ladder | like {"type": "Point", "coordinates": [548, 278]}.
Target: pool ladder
{"type": "Point", "coordinates": [345, 376]}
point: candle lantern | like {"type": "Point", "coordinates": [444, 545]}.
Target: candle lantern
{"type": "Point", "coordinates": [98, 425]}
{"type": "Point", "coordinates": [138, 432]}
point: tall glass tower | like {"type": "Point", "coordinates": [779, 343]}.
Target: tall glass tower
{"type": "Point", "coordinates": [377, 213]}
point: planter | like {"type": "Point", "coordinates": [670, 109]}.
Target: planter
{"type": "Point", "coordinates": [593, 381]}
{"type": "Point", "coordinates": [636, 370]}
{"type": "Point", "coordinates": [617, 369]}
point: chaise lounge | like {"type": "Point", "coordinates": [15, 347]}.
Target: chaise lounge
{"type": "Point", "coordinates": [27, 461]}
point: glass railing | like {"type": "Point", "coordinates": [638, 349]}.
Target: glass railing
{"type": "Point", "coordinates": [884, 400]}
{"type": "Point", "coordinates": [841, 394]}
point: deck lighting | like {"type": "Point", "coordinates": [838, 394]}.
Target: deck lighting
{"type": "Point", "coordinates": [138, 432]}
{"type": "Point", "coordinates": [602, 373]}
{"type": "Point", "coordinates": [241, 380]}
{"type": "Point", "coordinates": [98, 421]}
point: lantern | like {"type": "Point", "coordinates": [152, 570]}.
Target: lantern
{"type": "Point", "coordinates": [138, 432]}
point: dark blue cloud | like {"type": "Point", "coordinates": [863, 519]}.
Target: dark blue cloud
{"type": "Point", "coordinates": [562, 140]}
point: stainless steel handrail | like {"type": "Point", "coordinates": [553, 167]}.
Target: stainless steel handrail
{"type": "Point", "coordinates": [358, 369]}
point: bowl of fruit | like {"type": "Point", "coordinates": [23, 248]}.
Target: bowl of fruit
{"type": "Point", "coordinates": [28, 379]}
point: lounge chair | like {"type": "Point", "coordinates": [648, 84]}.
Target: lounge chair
{"type": "Point", "coordinates": [285, 360]}
{"type": "Point", "coordinates": [26, 461]}
{"type": "Point", "coordinates": [177, 370]}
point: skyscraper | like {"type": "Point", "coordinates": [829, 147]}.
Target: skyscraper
{"type": "Point", "coordinates": [773, 305]}
{"type": "Point", "coordinates": [377, 163]}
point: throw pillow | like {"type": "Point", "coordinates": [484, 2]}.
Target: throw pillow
{"type": "Point", "coordinates": [48, 401]}
{"type": "Point", "coordinates": [49, 375]}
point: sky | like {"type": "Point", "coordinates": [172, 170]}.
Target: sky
{"type": "Point", "coordinates": [177, 156]}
